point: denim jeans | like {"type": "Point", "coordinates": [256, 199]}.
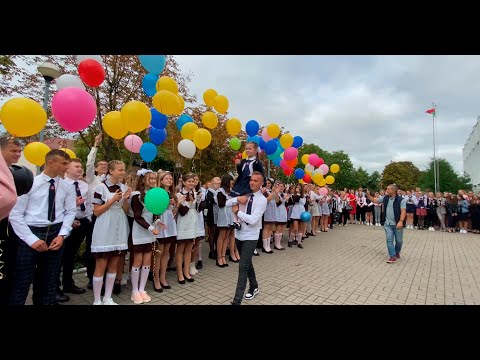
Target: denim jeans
{"type": "Point", "coordinates": [245, 268]}
{"type": "Point", "coordinates": [392, 232]}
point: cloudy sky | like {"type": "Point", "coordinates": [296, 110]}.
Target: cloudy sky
{"type": "Point", "coordinates": [372, 107]}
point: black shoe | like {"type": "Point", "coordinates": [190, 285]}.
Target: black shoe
{"type": "Point", "coordinates": [279, 248]}
{"type": "Point", "coordinates": [158, 290]}
{"type": "Point", "coordinates": [300, 246]}
{"type": "Point", "coordinates": [74, 289]}
{"type": "Point", "coordinates": [189, 279]}
{"type": "Point", "coordinates": [61, 297]}
{"type": "Point", "coordinates": [165, 286]}
{"type": "Point", "coordinates": [268, 252]}
{"type": "Point", "coordinates": [290, 244]}
{"type": "Point", "coordinates": [117, 288]}
{"type": "Point", "coordinates": [256, 254]}
{"type": "Point", "coordinates": [199, 264]}
{"type": "Point", "coordinates": [90, 285]}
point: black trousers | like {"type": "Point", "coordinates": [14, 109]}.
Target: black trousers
{"type": "Point", "coordinates": [8, 250]}
{"type": "Point", "coordinates": [245, 269]}
{"type": "Point", "coordinates": [88, 258]}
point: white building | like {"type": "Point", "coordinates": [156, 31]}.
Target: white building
{"type": "Point", "coordinates": [471, 156]}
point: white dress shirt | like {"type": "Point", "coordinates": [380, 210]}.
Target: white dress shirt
{"type": "Point", "coordinates": [32, 208]}
{"type": "Point", "coordinates": [86, 194]}
{"type": "Point", "coordinates": [92, 180]}
{"type": "Point", "coordinates": [251, 224]}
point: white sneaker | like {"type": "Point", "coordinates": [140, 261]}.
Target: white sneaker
{"type": "Point", "coordinates": [98, 302]}
{"type": "Point", "coordinates": [193, 270]}
{"type": "Point", "coordinates": [109, 302]}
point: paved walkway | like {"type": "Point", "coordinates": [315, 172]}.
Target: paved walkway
{"type": "Point", "coordinates": [347, 265]}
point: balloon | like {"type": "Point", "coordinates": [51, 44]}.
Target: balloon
{"type": "Point", "coordinates": [309, 168]}
{"type": "Point", "coordinates": [68, 80]}
{"type": "Point", "coordinates": [69, 152]}
{"type": "Point", "coordinates": [91, 72]}
{"type": "Point", "coordinates": [166, 102]}
{"type": "Point", "coordinates": [148, 152]}
{"type": "Point", "coordinates": [158, 136]}
{"type": "Point", "coordinates": [167, 83]}
{"type": "Point", "coordinates": [23, 117]}
{"type": "Point", "coordinates": [220, 103]}
{"type": "Point", "coordinates": [113, 125]}
{"type": "Point", "coordinates": [301, 181]}
{"type": "Point", "coordinates": [305, 217]}
{"type": "Point", "coordinates": [299, 173]}
{"type": "Point", "coordinates": [133, 143]}
{"type": "Point", "coordinates": [136, 115]}
{"type": "Point", "coordinates": [286, 140]}
{"type": "Point", "coordinates": [188, 130]}
{"type": "Point", "coordinates": [210, 120]}
{"type": "Point", "coordinates": [334, 168]}
{"type": "Point", "coordinates": [323, 191]}
{"type": "Point", "coordinates": [284, 165]}
{"type": "Point", "coordinates": [235, 143]}
{"type": "Point", "coordinates": [182, 120]}
{"type": "Point", "coordinates": [252, 128]}
{"type": "Point", "coordinates": [261, 143]}
{"type": "Point", "coordinates": [290, 153]}
{"type": "Point", "coordinates": [270, 147]}
{"type": "Point", "coordinates": [307, 178]}
{"type": "Point", "coordinates": [297, 142]}
{"type": "Point", "coordinates": [265, 135]}
{"type": "Point", "coordinates": [292, 163]}
{"type": "Point", "coordinates": [273, 130]}
{"type": "Point", "coordinates": [244, 155]}
{"type": "Point", "coordinates": [159, 120]}
{"type": "Point", "coordinates": [233, 126]}
{"type": "Point", "coordinates": [74, 108]}
{"type": "Point", "coordinates": [157, 200]}
{"type": "Point", "coordinates": [312, 159]}
{"type": "Point", "coordinates": [35, 153]}
{"type": "Point", "coordinates": [202, 138]}
{"type": "Point", "coordinates": [209, 97]}
{"type": "Point", "coordinates": [153, 63]}
{"type": "Point", "coordinates": [317, 178]}
{"type": "Point", "coordinates": [182, 103]}
{"type": "Point", "coordinates": [186, 148]}
{"type": "Point", "coordinates": [324, 168]}
{"type": "Point", "coordinates": [322, 182]}
{"type": "Point", "coordinates": [305, 159]}
{"type": "Point", "coordinates": [288, 171]}
{"type": "Point", "coordinates": [149, 84]}
{"type": "Point", "coordinates": [80, 58]}
{"type": "Point", "coordinates": [319, 162]}
{"type": "Point", "coordinates": [330, 179]}
{"type": "Point", "coordinates": [276, 161]}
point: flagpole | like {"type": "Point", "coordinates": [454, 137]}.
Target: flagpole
{"type": "Point", "coordinates": [434, 152]}
{"type": "Point", "coordinates": [435, 136]}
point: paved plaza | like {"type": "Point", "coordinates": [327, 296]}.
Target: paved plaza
{"type": "Point", "coordinates": [347, 265]}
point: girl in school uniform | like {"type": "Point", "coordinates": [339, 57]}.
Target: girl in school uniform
{"type": "Point", "coordinates": [452, 211]}
{"type": "Point", "coordinates": [110, 233]}
{"type": "Point", "coordinates": [431, 211]}
{"type": "Point", "coordinates": [325, 210]}
{"type": "Point", "coordinates": [475, 213]}
{"type": "Point", "coordinates": [201, 205]}
{"type": "Point", "coordinates": [412, 202]}
{"type": "Point", "coordinates": [313, 208]}
{"type": "Point", "coordinates": [441, 210]}
{"type": "Point", "coordinates": [369, 212]}
{"type": "Point", "coordinates": [290, 204]}
{"type": "Point", "coordinates": [298, 227]}
{"type": "Point", "coordinates": [463, 213]}
{"type": "Point", "coordinates": [270, 215]}
{"type": "Point", "coordinates": [353, 205]}
{"type": "Point", "coordinates": [281, 215]}
{"type": "Point", "coordinates": [361, 207]}
{"type": "Point", "coordinates": [421, 209]}
{"type": "Point", "coordinates": [224, 219]}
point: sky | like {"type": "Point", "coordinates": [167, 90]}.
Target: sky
{"type": "Point", "coordinates": [372, 107]}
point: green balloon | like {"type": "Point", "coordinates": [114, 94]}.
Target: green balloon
{"type": "Point", "coordinates": [157, 201]}
{"type": "Point", "coordinates": [235, 143]}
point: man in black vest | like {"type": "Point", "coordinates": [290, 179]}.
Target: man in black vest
{"type": "Point", "coordinates": [393, 217]}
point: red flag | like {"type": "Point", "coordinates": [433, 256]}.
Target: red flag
{"type": "Point", "coordinates": [430, 111]}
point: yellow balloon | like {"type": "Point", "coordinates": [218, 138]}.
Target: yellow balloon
{"type": "Point", "coordinates": [234, 126]}
{"type": "Point", "coordinates": [305, 159]}
{"type": "Point", "coordinates": [244, 155]}
{"type": "Point", "coordinates": [166, 102]}
{"type": "Point", "coordinates": [182, 103]}
{"type": "Point", "coordinates": [308, 172]}
{"type": "Point", "coordinates": [35, 153]}
{"type": "Point", "coordinates": [334, 168]}
{"type": "Point", "coordinates": [286, 140]}
{"type": "Point", "coordinates": [209, 97]}
{"type": "Point", "coordinates": [23, 117]}
{"type": "Point", "coordinates": [210, 120]}
{"type": "Point", "coordinates": [220, 103]}
{"type": "Point", "coordinates": [322, 183]}
{"type": "Point", "coordinates": [330, 179]}
{"type": "Point", "coordinates": [136, 115]}
{"type": "Point", "coordinates": [70, 153]}
{"type": "Point", "coordinates": [301, 181]}
{"type": "Point", "coordinates": [202, 138]}
{"type": "Point", "coordinates": [188, 130]}
{"type": "Point", "coordinates": [114, 125]}
{"type": "Point", "coordinates": [167, 83]}
{"type": "Point", "coordinates": [317, 178]}
{"type": "Point", "coordinates": [273, 130]}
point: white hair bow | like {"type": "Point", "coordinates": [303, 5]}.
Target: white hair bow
{"type": "Point", "coordinates": [143, 172]}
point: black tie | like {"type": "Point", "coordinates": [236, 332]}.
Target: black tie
{"type": "Point", "coordinates": [249, 205]}
{"type": "Point", "coordinates": [51, 201]}
{"type": "Point", "coordinates": [77, 189]}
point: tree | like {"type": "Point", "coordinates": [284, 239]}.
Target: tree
{"type": "Point", "coordinates": [360, 177]}
{"type": "Point", "coordinates": [449, 180]}
{"type": "Point", "coordinates": [374, 181]}
{"type": "Point", "coordinates": [403, 173]}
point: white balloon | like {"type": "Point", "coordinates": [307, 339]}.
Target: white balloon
{"type": "Point", "coordinates": [80, 58]}
{"type": "Point", "coordinates": [187, 148]}
{"type": "Point", "coordinates": [68, 80]}
{"type": "Point", "coordinates": [309, 168]}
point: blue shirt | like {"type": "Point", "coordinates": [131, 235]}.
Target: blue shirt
{"type": "Point", "coordinates": [390, 214]}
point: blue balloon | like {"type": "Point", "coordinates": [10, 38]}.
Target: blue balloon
{"type": "Point", "coordinates": [256, 139]}
{"type": "Point", "coordinates": [252, 128]}
{"type": "Point", "coordinates": [297, 141]}
{"type": "Point", "coordinates": [305, 217]}
{"type": "Point", "coordinates": [182, 120]}
{"type": "Point", "coordinates": [261, 144]}
{"type": "Point", "coordinates": [148, 152]}
{"type": "Point", "coordinates": [153, 63]}
{"type": "Point", "coordinates": [270, 147]}
{"type": "Point", "coordinates": [158, 136]}
{"type": "Point", "coordinates": [149, 83]}
{"type": "Point", "coordinates": [159, 120]}
{"type": "Point", "coordinates": [299, 173]}
{"type": "Point", "coordinates": [276, 161]}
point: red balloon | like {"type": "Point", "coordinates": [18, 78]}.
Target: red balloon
{"type": "Point", "coordinates": [288, 171]}
{"type": "Point", "coordinates": [319, 162]}
{"type": "Point", "coordinates": [91, 72]}
{"type": "Point", "coordinates": [307, 178]}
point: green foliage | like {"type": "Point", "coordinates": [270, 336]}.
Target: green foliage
{"type": "Point", "coordinates": [403, 173]}
{"type": "Point", "coordinates": [449, 180]}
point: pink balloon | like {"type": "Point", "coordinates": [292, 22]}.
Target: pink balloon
{"type": "Point", "coordinates": [323, 191]}
{"type": "Point", "coordinates": [324, 169]}
{"type": "Point", "coordinates": [133, 143]}
{"type": "Point", "coordinates": [283, 164]}
{"type": "Point", "coordinates": [74, 109]}
{"type": "Point", "coordinates": [265, 135]}
{"type": "Point", "coordinates": [312, 159]}
{"type": "Point", "coordinates": [319, 162]}
{"type": "Point", "coordinates": [290, 154]}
